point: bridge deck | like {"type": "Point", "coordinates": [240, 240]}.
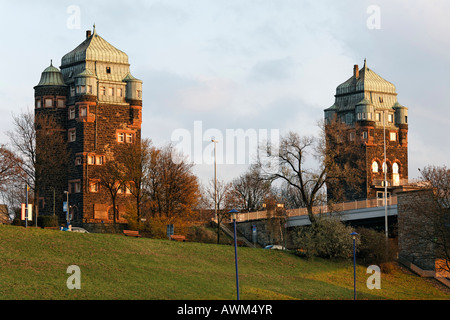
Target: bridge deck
{"type": "Point", "coordinates": [363, 209]}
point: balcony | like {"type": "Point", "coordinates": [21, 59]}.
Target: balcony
{"type": "Point", "coordinates": [390, 182]}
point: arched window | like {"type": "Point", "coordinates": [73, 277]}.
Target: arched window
{"type": "Point", "coordinates": [395, 175]}
{"type": "Point", "coordinates": [395, 168]}
{"type": "Point", "coordinates": [374, 166]}
{"type": "Point", "coordinates": [384, 166]}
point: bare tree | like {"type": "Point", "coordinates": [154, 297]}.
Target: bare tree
{"type": "Point", "coordinates": [427, 217]}
{"type": "Point", "coordinates": [137, 159]}
{"type": "Point", "coordinates": [112, 177]}
{"type": "Point", "coordinates": [308, 163]}
{"type": "Point", "coordinates": [251, 189]}
{"type": "Point", "coordinates": [173, 190]}
{"type": "Point", "coordinates": [38, 141]}
{"type": "Point", "coordinates": [222, 191]}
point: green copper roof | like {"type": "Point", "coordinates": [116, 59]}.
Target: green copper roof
{"type": "Point", "coordinates": [368, 80]}
{"type": "Point", "coordinates": [95, 48]}
{"type": "Point", "coordinates": [51, 76]}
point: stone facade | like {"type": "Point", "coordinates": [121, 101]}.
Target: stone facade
{"type": "Point", "coordinates": [98, 105]}
{"type": "Point", "coordinates": [415, 228]}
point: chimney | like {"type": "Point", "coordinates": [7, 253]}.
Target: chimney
{"type": "Point", "coordinates": [88, 33]}
{"type": "Point", "coordinates": [356, 71]}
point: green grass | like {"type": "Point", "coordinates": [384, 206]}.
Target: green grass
{"type": "Point", "coordinates": [33, 265]}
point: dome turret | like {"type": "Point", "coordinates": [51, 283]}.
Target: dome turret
{"type": "Point", "coordinates": [51, 76]}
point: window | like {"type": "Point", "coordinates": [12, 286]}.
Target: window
{"type": "Point", "coordinates": [82, 89]}
{"type": "Point", "coordinates": [94, 186]}
{"type": "Point", "coordinates": [395, 168]}
{"type": "Point", "coordinates": [71, 113]}
{"type": "Point", "coordinates": [78, 161]}
{"type": "Point", "coordinates": [48, 102]}
{"type": "Point", "coordinates": [91, 160]}
{"type": "Point", "coordinates": [102, 91]}
{"type": "Point", "coordinates": [391, 118]}
{"type": "Point", "coordinates": [119, 92]}
{"type": "Point", "coordinates": [89, 89]}
{"type": "Point", "coordinates": [380, 99]}
{"type": "Point", "coordinates": [111, 91]}
{"type": "Point", "coordinates": [99, 160]}
{"type": "Point", "coordinates": [129, 138]}
{"type": "Point", "coordinates": [406, 119]}
{"type": "Point", "coordinates": [77, 187]}
{"type": "Point", "coordinates": [364, 135]}
{"type": "Point", "coordinates": [375, 166]}
{"type": "Point", "coordinates": [38, 103]}
{"type": "Point", "coordinates": [72, 91]}
{"type": "Point", "coordinates": [108, 69]}
{"type": "Point", "coordinates": [139, 94]}
{"type": "Point", "coordinates": [384, 166]}
{"type": "Point", "coordinates": [72, 135]}
{"type": "Point", "coordinates": [393, 136]}
{"type": "Point", "coordinates": [83, 111]}
{"type": "Point", "coordinates": [378, 116]}
{"type": "Point", "coordinates": [121, 137]}
{"type": "Point", "coordinates": [60, 103]}
{"type": "Point", "coordinates": [352, 136]}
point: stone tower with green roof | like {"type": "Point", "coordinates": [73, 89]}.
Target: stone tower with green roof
{"type": "Point", "coordinates": [367, 104]}
{"type": "Point", "coordinates": [99, 104]}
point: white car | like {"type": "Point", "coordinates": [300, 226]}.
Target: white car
{"type": "Point", "coordinates": [81, 230]}
{"type": "Point", "coordinates": [274, 247]}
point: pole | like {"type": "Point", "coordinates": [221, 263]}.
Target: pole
{"type": "Point", "coordinates": [215, 181]}
{"type": "Point", "coordinates": [26, 208]}
{"type": "Point", "coordinates": [354, 234]}
{"type": "Point", "coordinates": [385, 177]}
{"type": "Point", "coordinates": [354, 270]}
{"type": "Point", "coordinates": [235, 256]}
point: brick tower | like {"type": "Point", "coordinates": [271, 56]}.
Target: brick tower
{"type": "Point", "coordinates": [367, 104]}
{"type": "Point", "coordinates": [99, 104]}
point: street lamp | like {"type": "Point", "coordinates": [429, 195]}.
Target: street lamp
{"type": "Point", "coordinates": [385, 176]}
{"type": "Point", "coordinates": [354, 234]}
{"type": "Point", "coordinates": [233, 212]}
{"type": "Point", "coordinates": [215, 179]}
{"type": "Point", "coordinates": [67, 207]}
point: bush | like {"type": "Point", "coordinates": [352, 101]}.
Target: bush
{"type": "Point", "coordinates": [48, 221]}
{"type": "Point", "coordinates": [329, 238]}
{"type": "Point", "coordinates": [374, 249]}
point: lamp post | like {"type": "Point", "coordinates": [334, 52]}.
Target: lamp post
{"type": "Point", "coordinates": [67, 206]}
{"type": "Point", "coordinates": [354, 234]}
{"type": "Point", "coordinates": [233, 212]}
{"type": "Point", "coordinates": [385, 176]}
{"type": "Point", "coordinates": [215, 179]}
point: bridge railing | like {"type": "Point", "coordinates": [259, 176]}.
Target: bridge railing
{"type": "Point", "coordinates": [343, 206]}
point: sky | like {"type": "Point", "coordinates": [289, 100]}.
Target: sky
{"type": "Point", "coordinates": [258, 67]}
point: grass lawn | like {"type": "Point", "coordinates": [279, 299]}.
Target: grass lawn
{"type": "Point", "coordinates": [33, 265]}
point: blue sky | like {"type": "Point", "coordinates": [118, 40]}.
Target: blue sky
{"type": "Point", "coordinates": [243, 64]}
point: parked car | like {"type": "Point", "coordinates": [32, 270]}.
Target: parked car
{"type": "Point", "coordinates": [275, 247]}
{"type": "Point", "coordinates": [81, 230]}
